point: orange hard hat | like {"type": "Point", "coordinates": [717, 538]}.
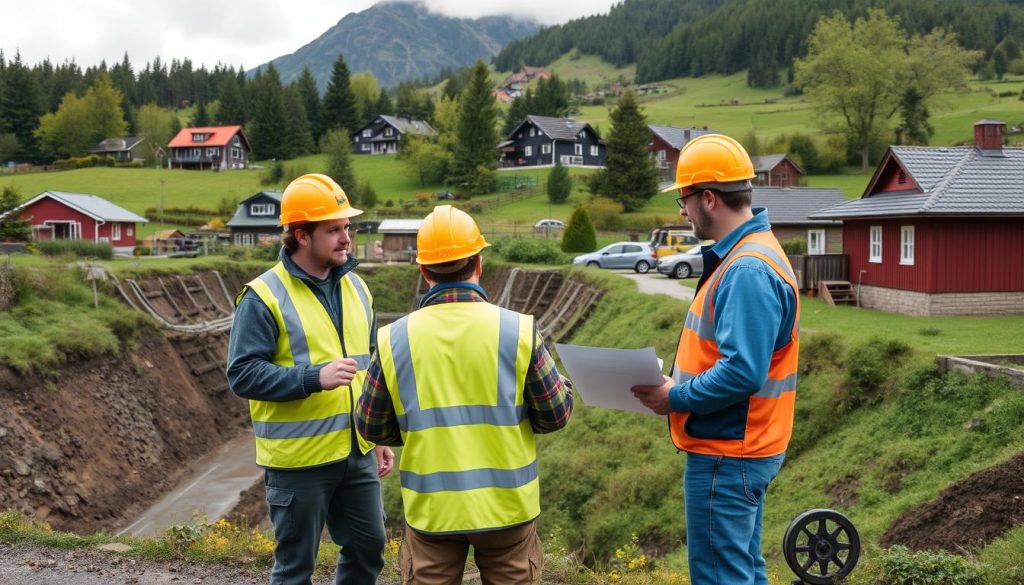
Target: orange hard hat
{"type": "Point", "coordinates": [448, 234]}
{"type": "Point", "coordinates": [314, 197]}
{"type": "Point", "coordinates": [712, 158]}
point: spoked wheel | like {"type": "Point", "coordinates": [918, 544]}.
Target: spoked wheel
{"type": "Point", "coordinates": [821, 547]}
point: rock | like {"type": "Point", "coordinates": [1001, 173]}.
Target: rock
{"type": "Point", "coordinates": [21, 468]}
{"type": "Point", "coordinates": [3, 432]}
{"type": "Point", "coordinates": [974, 423]}
{"type": "Point", "coordinates": [115, 547]}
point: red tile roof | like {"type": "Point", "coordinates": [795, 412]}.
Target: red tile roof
{"type": "Point", "coordinates": [218, 136]}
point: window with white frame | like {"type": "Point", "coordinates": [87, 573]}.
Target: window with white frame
{"type": "Point", "coordinates": [660, 155]}
{"type": "Point", "coordinates": [130, 231]}
{"type": "Point", "coordinates": [815, 242]}
{"type": "Point", "coordinates": [367, 133]}
{"type": "Point", "coordinates": [261, 209]}
{"type": "Point", "coordinates": [545, 148]}
{"type": "Point", "coordinates": [907, 245]}
{"type": "Point", "coordinates": [236, 153]}
{"type": "Point", "coordinates": [533, 131]}
{"type": "Point", "coordinates": [578, 149]}
{"type": "Point", "coordinates": [245, 239]}
{"type": "Point", "coordinates": [366, 147]}
{"type": "Point", "coordinates": [594, 150]}
{"type": "Point", "coordinates": [115, 231]}
{"type": "Point", "coordinates": [389, 131]}
{"type": "Point", "coordinates": [528, 151]}
{"type": "Point", "coordinates": [875, 244]}
{"type": "Point", "coordinates": [197, 152]}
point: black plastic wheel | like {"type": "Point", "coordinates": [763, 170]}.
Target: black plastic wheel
{"type": "Point", "coordinates": [821, 546]}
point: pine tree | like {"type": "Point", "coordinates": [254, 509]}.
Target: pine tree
{"type": "Point", "coordinates": [339, 102]}
{"type": "Point", "coordinates": [306, 85]}
{"type": "Point", "coordinates": [231, 111]}
{"type": "Point", "coordinates": [630, 176]}
{"type": "Point", "coordinates": [13, 228]}
{"type": "Point", "coordinates": [579, 235]}
{"type": "Point", "coordinates": [298, 138]}
{"type": "Point", "coordinates": [559, 184]}
{"type": "Point", "coordinates": [267, 126]}
{"type": "Point", "coordinates": [20, 107]}
{"type": "Point", "coordinates": [384, 107]}
{"type": "Point", "coordinates": [476, 151]}
{"type": "Point", "coordinates": [337, 147]}
{"type": "Point", "coordinates": [200, 118]}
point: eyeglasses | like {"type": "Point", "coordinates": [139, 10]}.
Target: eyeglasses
{"type": "Point", "coordinates": [681, 201]}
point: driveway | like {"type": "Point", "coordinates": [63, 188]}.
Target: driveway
{"type": "Point", "coordinates": [653, 283]}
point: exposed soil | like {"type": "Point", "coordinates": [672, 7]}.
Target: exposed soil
{"type": "Point", "coordinates": [85, 446]}
{"type": "Point", "coordinates": [968, 514]}
{"type": "Point", "coordinates": [251, 509]}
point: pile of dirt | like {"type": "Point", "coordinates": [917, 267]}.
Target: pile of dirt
{"type": "Point", "coordinates": [968, 514]}
{"type": "Point", "coordinates": [87, 445]}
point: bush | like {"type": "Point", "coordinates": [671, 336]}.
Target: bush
{"type": "Point", "coordinates": [899, 566]}
{"type": "Point", "coordinates": [579, 235]}
{"type": "Point", "coordinates": [794, 246]}
{"type": "Point", "coordinates": [871, 373]}
{"type": "Point", "coordinates": [240, 253]}
{"type": "Point", "coordinates": [605, 213]}
{"type": "Point", "coordinates": [820, 352]}
{"type": "Point", "coordinates": [142, 251]}
{"type": "Point", "coordinates": [79, 248]}
{"type": "Point", "coordinates": [273, 174]}
{"type": "Point", "coordinates": [529, 251]}
{"type": "Point", "coordinates": [559, 184]}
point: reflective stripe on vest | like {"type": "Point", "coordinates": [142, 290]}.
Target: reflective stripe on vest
{"type": "Point", "coordinates": [769, 418]}
{"type": "Point", "coordinates": [315, 430]}
{"type": "Point", "coordinates": [456, 373]}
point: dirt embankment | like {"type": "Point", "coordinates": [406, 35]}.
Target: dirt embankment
{"type": "Point", "coordinates": [968, 514]}
{"type": "Point", "coordinates": [88, 445]}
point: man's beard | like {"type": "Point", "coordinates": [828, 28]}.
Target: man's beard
{"type": "Point", "coordinates": [701, 222]}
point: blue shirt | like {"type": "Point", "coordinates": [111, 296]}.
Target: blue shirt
{"type": "Point", "coordinates": [754, 314]}
{"type": "Point", "coordinates": [253, 342]}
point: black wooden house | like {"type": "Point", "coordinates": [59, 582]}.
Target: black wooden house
{"type": "Point", "coordinates": [543, 141]}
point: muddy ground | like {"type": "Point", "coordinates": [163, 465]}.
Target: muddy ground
{"type": "Point", "coordinates": [966, 515]}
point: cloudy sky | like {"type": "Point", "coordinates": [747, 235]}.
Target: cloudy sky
{"type": "Point", "coordinates": [258, 31]}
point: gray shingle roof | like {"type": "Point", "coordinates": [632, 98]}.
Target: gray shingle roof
{"type": "Point", "coordinates": [678, 137]}
{"type": "Point", "coordinates": [959, 180]}
{"type": "Point", "coordinates": [116, 144]}
{"type": "Point", "coordinates": [767, 162]}
{"type": "Point", "coordinates": [92, 205]}
{"type": "Point", "coordinates": [242, 218]}
{"type": "Point", "coordinates": [558, 128]}
{"type": "Point", "coordinates": [793, 205]}
{"type": "Point", "coordinates": [405, 126]}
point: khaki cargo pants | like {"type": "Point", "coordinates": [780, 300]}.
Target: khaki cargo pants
{"type": "Point", "coordinates": [511, 556]}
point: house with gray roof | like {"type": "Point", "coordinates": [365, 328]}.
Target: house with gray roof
{"type": "Point", "coordinates": [60, 215]}
{"type": "Point", "coordinates": [542, 141]}
{"type": "Point", "coordinates": [789, 211]}
{"type": "Point", "coordinates": [667, 141]}
{"type": "Point", "coordinates": [256, 219]}
{"type": "Point", "coordinates": [124, 149]}
{"type": "Point", "coordinates": [385, 134]}
{"type": "Point", "coordinates": [940, 230]}
{"type": "Point", "coordinates": [776, 170]}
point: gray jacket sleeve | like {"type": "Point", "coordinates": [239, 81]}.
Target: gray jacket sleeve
{"type": "Point", "coordinates": [251, 371]}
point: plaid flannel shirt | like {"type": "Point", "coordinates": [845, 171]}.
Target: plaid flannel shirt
{"type": "Point", "coordinates": [549, 398]}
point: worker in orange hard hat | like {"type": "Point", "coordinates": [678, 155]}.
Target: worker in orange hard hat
{"type": "Point", "coordinates": [464, 385]}
{"type": "Point", "coordinates": [731, 396]}
{"type": "Point", "coordinates": [301, 341]}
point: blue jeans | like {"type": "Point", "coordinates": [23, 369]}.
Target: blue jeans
{"type": "Point", "coordinates": [346, 497]}
{"type": "Point", "coordinates": [724, 506]}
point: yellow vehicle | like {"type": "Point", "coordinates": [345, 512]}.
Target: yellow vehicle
{"type": "Point", "coordinates": [672, 239]}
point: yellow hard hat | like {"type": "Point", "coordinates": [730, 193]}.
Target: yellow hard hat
{"type": "Point", "coordinates": [448, 234]}
{"type": "Point", "coordinates": [712, 158]}
{"type": "Point", "coordinates": [315, 197]}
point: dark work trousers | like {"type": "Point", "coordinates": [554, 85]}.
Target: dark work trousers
{"type": "Point", "coordinates": [346, 497]}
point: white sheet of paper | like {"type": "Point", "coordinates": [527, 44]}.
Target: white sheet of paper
{"type": "Point", "coordinates": [603, 376]}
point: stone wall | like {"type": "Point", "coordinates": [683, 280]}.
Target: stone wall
{"type": "Point", "coordinates": [932, 305]}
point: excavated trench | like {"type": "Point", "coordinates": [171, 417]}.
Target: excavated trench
{"type": "Point", "coordinates": [124, 443]}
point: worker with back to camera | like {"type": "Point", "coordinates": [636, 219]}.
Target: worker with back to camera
{"type": "Point", "coordinates": [301, 340]}
{"type": "Point", "coordinates": [464, 385]}
{"type": "Point", "coordinates": [731, 398]}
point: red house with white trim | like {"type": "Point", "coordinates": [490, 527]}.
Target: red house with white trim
{"type": "Point", "coordinates": [210, 147]}
{"type": "Point", "coordinates": [57, 215]}
{"type": "Point", "coordinates": [940, 230]}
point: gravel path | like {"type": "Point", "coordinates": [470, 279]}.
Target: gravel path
{"type": "Point", "coordinates": [653, 283]}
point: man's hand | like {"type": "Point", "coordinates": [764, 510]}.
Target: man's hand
{"type": "Point", "coordinates": [385, 459]}
{"type": "Point", "coordinates": [338, 373]}
{"type": "Point", "coordinates": [655, 397]}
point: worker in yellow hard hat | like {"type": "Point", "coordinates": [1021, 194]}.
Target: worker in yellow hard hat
{"type": "Point", "coordinates": [731, 396]}
{"type": "Point", "coordinates": [464, 385]}
{"type": "Point", "coordinates": [300, 344]}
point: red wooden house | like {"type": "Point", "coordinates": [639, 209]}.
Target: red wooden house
{"type": "Point", "coordinates": [57, 215]}
{"type": "Point", "coordinates": [939, 230]}
{"type": "Point", "coordinates": [211, 147]}
{"type": "Point", "coordinates": [776, 170]}
{"type": "Point", "coordinates": [666, 142]}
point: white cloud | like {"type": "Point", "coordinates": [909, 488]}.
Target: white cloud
{"type": "Point", "coordinates": [245, 33]}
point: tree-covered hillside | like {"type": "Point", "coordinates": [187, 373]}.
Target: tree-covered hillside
{"type": "Point", "coordinates": [668, 39]}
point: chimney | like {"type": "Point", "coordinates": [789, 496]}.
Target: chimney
{"type": "Point", "coordinates": [988, 136]}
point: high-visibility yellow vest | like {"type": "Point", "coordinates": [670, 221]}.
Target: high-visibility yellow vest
{"type": "Point", "coordinates": [456, 373]}
{"type": "Point", "coordinates": [315, 430]}
{"type": "Point", "coordinates": [769, 417]}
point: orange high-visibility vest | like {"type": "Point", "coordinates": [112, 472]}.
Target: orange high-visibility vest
{"type": "Point", "coordinates": [769, 420]}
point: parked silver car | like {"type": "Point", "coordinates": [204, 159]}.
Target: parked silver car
{"type": "Point", "coordinates": [636, 255]}
{"type": "Point", "coordinates": [682, 265]}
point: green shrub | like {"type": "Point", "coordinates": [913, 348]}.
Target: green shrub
{"type": "Point", "coordinates": [559, 184]}
{"type": "Point", "coordinates": [820, 352]}
{"type": "Point", "coordinates": [240, 253]}
{"type": "Point", "coordinates": [273, 174]}
{"type": "Point", "coordinates": [605, 213]}
{"type": "Point", "coordinates": [794, 246]}
{"type": "Point", "coordinates": [579, 235]}
{"type": "Point", "coordinates": [529, 251]}
{"type": "Point", "coordinates": [142, 251]}
{"type": "Point", "coordinates": [79, 248]}
{"type": "Point", "coordinates": [899, 566]}
{"type": "Point", "coordinates": [871, 373]}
